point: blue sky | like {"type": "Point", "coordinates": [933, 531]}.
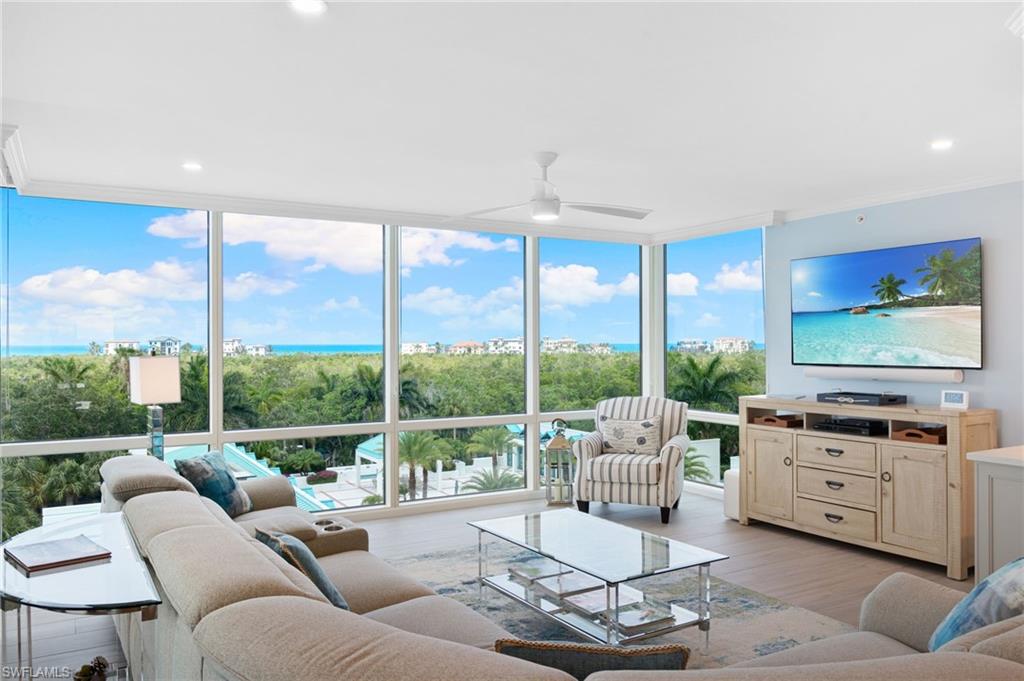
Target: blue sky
{"type": "Point", "coordinates": [714, 287]}
{"type": "Point", "coordinates": [837, 281]}
{"type": "Point", "coordinates": [85, 272]}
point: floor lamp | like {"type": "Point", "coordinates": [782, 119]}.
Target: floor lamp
{"type": "Point", "coordinates": [154, 381]}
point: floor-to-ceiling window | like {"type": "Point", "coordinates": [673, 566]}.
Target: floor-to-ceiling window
{"type": "Point", "coordinates": [589, 323]}
{"type": "Point", "coordinates": [715, 339]}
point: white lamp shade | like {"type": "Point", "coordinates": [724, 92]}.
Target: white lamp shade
{"type": "Point", "coordinates": [154, 380]}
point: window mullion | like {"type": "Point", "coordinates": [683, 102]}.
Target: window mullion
{"type": "Point", "coordinates": [215, 352]}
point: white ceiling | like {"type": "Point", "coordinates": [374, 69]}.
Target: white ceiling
{"type": "Point", "coordinates": [703, 112]}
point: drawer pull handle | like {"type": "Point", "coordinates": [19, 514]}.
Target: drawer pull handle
{"type": "Point", "coordinates": [886, 476]}
{"type": "Point", "coordinates": [832, 484]}
{"type": "Point", "coordinates": [788, 461]}
{"type": "Point", "coordinates": [833, 518]}
{"type": "Point", "coordinates": [832, 451]}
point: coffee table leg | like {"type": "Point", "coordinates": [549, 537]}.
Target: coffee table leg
{"type": "Point", "coordinates": [704, 589]}
{"type": "Point", "coordinates": [480, 563]}
{"type": "Point", "coordinates": [607, 613]}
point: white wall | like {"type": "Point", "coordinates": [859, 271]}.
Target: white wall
{"type": "Point", "coordinates": [993, 213]}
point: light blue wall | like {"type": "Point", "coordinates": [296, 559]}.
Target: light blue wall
{"type": "Point", "coordinates": [993, 213]}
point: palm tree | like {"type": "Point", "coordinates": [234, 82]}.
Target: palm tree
{"type": "Point", "coordinates": [66, 372]}
{"type": "Point", "coordinates": [491, 481]}
{"type": "Point", "coordinates": [706, 384]}
{"type": "Point", "coordinates": [238, 411]}
{"type": "Point", "coordinates": [326, 383]}
{"type": "Point", "coordinates": [28, 475]}
{"type": "Point", "coordinates": [266, 395]}
{"type": "Point", "coordinates": [888, 288]}
{"type": "Point", "coordinates": [940, 273]}
{"type": "Point", "coordinates": [303, 460]}
{"type": "Point", "coordinates": [67, 481]}
{"type": "Point", "coordinates": [369, 389]}
{"type": "Point", "coordinates": [493, 441]}
{"type": "Point", "coordinates": [120, 363]}
{"type": "Point", "coordinates": [421, 448]}
{"type": "Point", "coordinates": [695, 467]}
{"type": "Point", "coordinates": [191, 413]}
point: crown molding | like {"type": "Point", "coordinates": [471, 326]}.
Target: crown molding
{"type": "Point", "coordinates": [895, 197]}
{"type": "Point", "coordinates": [14, 156]}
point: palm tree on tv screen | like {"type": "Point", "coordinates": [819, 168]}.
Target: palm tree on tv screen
{"type": "Point", "coordinates": [888, 289]}
{"type": "Point", "coordinates": [941, 273]}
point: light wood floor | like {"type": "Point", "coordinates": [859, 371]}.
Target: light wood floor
{"type": "Point", "coordinates": [818, 574]}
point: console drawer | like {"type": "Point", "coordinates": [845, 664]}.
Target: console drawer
{"type": "Point", "coordinates": [851, 522]}
{"type": "Point", "coordinates": [858, 489]}
{"type": "Point", "coordinates": [833, 452]}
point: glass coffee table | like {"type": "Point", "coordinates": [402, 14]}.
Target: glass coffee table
{"type": "Point", "coordinates": [579, 570]}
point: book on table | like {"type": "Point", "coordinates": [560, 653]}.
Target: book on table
{"type": "Point", "coordinates": [641, 617]}
{"type": "Point", "coordinates": [55, 553]}
{"type": "Point", "coordinates": [596, 602]}
{"type": "Point", "coordinates": [570, 584]}
{"type": "Point", "coordinates": [530, 571]}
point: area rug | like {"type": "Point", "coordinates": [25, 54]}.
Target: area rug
{"type": "Point", "coordinates": [745, 624]}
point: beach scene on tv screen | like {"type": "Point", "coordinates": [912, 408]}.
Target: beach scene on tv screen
{"type": "Point", "coordinates": [913, 306]}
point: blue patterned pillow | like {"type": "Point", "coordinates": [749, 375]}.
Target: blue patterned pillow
{"type": "Point", "coordinates": [212, 478]}
{"type": "Point", "coordinates": [298, 554]}
{"type": "Point", "coordinates": [998, 597]}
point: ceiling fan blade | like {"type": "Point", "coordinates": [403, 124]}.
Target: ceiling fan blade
{"type": "Point", "coordinates": [485, 211]}
{"type": "Point", "coordinates": [606, 209]}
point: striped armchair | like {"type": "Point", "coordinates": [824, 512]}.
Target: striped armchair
{"type": "Point", "coordinates": [647, 480]}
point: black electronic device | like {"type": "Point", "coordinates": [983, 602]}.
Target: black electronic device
{"type": "Point", "coordinates": [852, 426]}
{"type": "Point", "coordinates": [866, 399]}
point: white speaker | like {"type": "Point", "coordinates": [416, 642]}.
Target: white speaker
{"type": "Point", "coordinates": [892, 375]}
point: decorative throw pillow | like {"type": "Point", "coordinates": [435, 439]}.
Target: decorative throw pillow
{"type": "Point", "coordinates": [996, 598]}
{"type": "Point", "coordinates": [299, 555]}
{"type": "Point", "coordinates": [632, 437]}
{"type": "Point", "coordinates": [580, 660]}
{"type": "Point", "coordinates": [212, 478]}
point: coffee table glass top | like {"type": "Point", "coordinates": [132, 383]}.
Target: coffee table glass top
{"type": "Point", "coordinates": [604, 549]}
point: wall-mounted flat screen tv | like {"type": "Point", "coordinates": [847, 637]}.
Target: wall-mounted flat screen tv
{"type": "Point", "coordinates": [912, 306]}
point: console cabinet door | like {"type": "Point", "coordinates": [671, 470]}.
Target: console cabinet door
{"type": "Point", "coordinates": [770, 473]}
{"type": "Point", "coordinates": [914, 498]}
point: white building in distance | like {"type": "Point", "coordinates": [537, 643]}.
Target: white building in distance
{"type": "Point", "coordinates": [694, 345]}
{"type": "Point", "coordinates": [112, 346]}
{"type": "Point", "coordinates": [559, 345]}
{"type": "Point", "coordinates": [466, 348]}
{"type": "Point", "coordinates": [597, 348]}
{"type": "Point", "coordinates": [233, 346]}
{"type": "Point", "coordinates": [506, 346]}
{"type": "Point", "coordinates": [258, 350]}
{"type": "Point", "coordinates": [165, 345]}
{"type": "Point", "coordinates": [419, 348]}
{"type": "Point", "coordinates": [732, 345]}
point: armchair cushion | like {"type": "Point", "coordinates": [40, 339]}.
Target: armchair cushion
{"type": "Point", "coordinates": [622, 436]}
{"type": "Point", "coordinates": [641, 469]}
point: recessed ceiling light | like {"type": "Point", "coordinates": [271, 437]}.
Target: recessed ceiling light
{"type": "Point", "coordinates": [309, 6]}
{"type": "Point", "coordinates": [942, 144]}
{"type": "Point", "coordinates": [192, 166]}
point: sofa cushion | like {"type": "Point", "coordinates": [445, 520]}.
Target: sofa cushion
{"type": "Point", "coordinates": [857, 645]}
{"type": "Point", "coordinates": [269, 492]}
{"type": "Point", "coordinates": [582, 659]}
{"type": "Point", "coordinates": [126, 477]}
{"type": "Point", "coordinates": [291, 638]}
{"type": "Point", "coordinates": [300, 557]}
{"type": "Point", "coordinates": [998, 597]}
{"type": "Point", "coordinates": [368, 583]}
{"type": "Point", "coordinates": [150, 515]}
{"type": "Point", "coordinates": [623, 436]}
{"type": "Point", "coordinates": [633, 469]}
{"type": "Point", "coordinates": [202, 569]}
{"type": "Point", "coordinates": [1008, 645]}
{"type": "Point", "coordinates": [965, 643]}
{"type": "Point", "coordinates": [212, 478]}
{"type": "Point", "coordinates": [287, 519]}
{"type": "Point", "coordinates": [443, 618]}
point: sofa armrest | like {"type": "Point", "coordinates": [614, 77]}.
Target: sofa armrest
{"type": "Point", "coordinates": [907, 608]}
{"type": "Point", "coordinates": [672, 454]}
{"type": "Point", "coordinates": [269, 492]}
{"type": "Point", "coordinates": [585, 449]}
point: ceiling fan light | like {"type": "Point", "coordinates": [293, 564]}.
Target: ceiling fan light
{"type": "Point", "coordinates": [545, 210]}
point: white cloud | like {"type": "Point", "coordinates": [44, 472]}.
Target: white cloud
{"type": "Point", "coordinates": [707, 319]}
{"type": "Point", "coordinates": [681, 284]}
{"type": "Point", "coordinates": [814, 294]}
{"type": "Point", "coordinates": [248, 283]}
{"type": "Point", "coordinates": [163, 280]}
{"type": "Point", "coordinates": [500, 308]}
{"type": "Point", "coordinates": [578, 285]}
{"type": "Point", "coordinates": [352, 247]}
{"type": "Point", "coordinates": [745, 276]}
{"type": "Point", "coordinates": [350, 303]}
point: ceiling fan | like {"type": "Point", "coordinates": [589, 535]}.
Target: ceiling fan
{"type": "Point", "coordinates": [546, 205]}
